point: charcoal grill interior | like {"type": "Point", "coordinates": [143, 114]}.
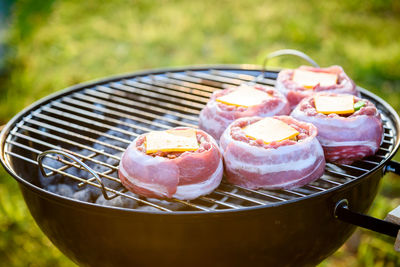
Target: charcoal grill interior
{"type": "Point", "coordinates": [97, 122]}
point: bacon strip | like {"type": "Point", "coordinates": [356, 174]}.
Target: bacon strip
{"type": "Point", "coordinates": [344, 139]}
{"type": "Point", "coordinates": [187, 176]}
{"type": "Point", "coordinates": [295, 92]}
{"type": "Point", "coordinates": [278, 165]}
{"type": "Point", "coordinates": [216, 116]}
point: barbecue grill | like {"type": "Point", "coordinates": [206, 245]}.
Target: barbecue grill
{"type": "Point", "coordinates": [85, 129]}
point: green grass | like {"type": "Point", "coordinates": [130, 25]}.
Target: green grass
{"type": "Point", "coordinates": [55, 44]}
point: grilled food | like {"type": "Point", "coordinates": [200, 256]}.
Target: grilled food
{"type": "Point", "coordinates": [297, 84]}
{"type": "Point", "coordinates": [271, 153]}
{"type": "Point", "coordinates": [182, 163]}
{"type": "Point", "coordinates": [237, 102]}
{"type": "Point", "coordinates": [346, 133]}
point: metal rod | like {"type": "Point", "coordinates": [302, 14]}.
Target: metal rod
{"type": "Point", "coordinates": [51, 146]}
{"type": "Point", "coordinates": [186, 78]}
{"type": "Point", "coordinates": [202, 89]}
{"type": "Point", "coordinates": [126, 104]}
{"type": "Point", "coordinates": [80, 119]}
{"type": "Point", "coordinates": [343, 213]}
{"type": "Point", "coordinates": [106, 92]}
{"type": "Point", "coordinates": [193, 94]}
{"type": "Point", "coordinates": [71, 157]}
{"type": "Point", "coordinates": [151, 91]}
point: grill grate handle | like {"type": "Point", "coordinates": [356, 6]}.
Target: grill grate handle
{"type": "Point", "coordinates": [78, 161]}
{"type": "Point", "coordinates": [285, 52]}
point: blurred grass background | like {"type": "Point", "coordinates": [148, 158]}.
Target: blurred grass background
{"type": "Point", "coordinates": [48, 45]}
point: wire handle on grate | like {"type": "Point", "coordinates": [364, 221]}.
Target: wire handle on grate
{"type": "Point", "coordinates": [285, 52]}
{"type": "Point", "coordinates": [78, 161]}
{"type": "Point", "coordinates": [282, 52]}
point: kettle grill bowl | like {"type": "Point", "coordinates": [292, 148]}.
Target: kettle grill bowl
{"type": "Point", "coordinates": [297, 231]}
{"type": "Point", "coordinates": [300, 233]}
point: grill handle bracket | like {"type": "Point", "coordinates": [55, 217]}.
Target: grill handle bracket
{"type": "Point", "coordinates": [79, 162]}
{"type": "Point", "coordinates": [392, 166]}
{"type": "Point", "coordinates": [390, 226]}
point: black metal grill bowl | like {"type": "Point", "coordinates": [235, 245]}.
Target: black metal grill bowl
{"type": "Point", "coordinates": [233, 226]}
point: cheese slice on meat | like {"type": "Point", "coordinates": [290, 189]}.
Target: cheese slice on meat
{"type": "Point", "coordinates": [171, 141]}
{"type": "Point", "coordinates": [309, 79]}
{"type": "Point", "coordinates": [244, 96]}
{"type": "Point", "coordinates": [343, 104]}
{"type": "Point", "coordinates": [269, 130]}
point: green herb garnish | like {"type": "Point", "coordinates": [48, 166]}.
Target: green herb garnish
{"type": "Point", "coordinates": [359, 105]}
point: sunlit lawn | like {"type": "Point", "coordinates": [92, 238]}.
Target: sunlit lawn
{"type": "Point", "coordinates": [55, 44]}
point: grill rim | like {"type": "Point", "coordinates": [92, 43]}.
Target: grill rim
{"type": "Point", "coordinates": [238, 67]}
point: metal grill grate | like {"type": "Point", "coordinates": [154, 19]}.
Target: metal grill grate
{"type": "Point", "coordinates": [97, 123]}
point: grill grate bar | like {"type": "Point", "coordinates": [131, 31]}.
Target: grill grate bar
{"type": "Point", "coordinates": [194, 206]}
{"type": "Point", "coordinates": [100, 99]}
{"type": "Point", "coordinates": [230, 194]}
{"type": "Point", "coordinates": [386, 142]}
{"type": "Point", "coordinates": [293, 192]}
{"type": "Point", "coordinates": [80, 119]}
{"type": "Point", "coordinates": [340, 174]}
{"type": "Point", "coordinates": [222, 203]}
{"type": "Point", "coordinates": [181, 94]}
{"type": "Point", "coordinates": [156, 99]}
{"type": "Point", "coordinates": [151, 91]}
{"type": "Point", "coordinates": [354, 167]}
{"type": "Point", "coordinates": [325, 179]}
{"type": "Point", "coordinates": [98, 116]}
{"type": "Point", "coordinates": [185, 92]}
{"type": "Point", "coordinates": [216, 79]}
{"type": "Point", "coordinates": [76, 144]}
{"type": "Point", "coordinates": [173, 79]}
{"type": "Point", "coordinates": [79, 127]}
{"type": "Point", "coordinates": [123, 111]}
{"type": "Point", "coordinates": [116, 113]}
{"type": "Point", "coordinates": [72, 134]}
{"type": "Point", "coordinates": [314, 187]}
{"type": "Point", "coordinates": [108, 92]}
{"type": "Point", "coordinates": [384, 149]}
{"type": "Point", "coordinates": [37, 152]}
{"type": "Point", "coordinates": [369, 161]}
{"type": "Point", "coordinates": [264, 193]}
{"type": "Point", "coordinates": [212, 85]}
{"type": "Point", "coordinates": [243, 77]}
{"type": "Point", "coordinates": [51, 146]}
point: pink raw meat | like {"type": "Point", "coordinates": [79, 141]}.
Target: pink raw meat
{"type": "Point", "coordinates": [344, 139]}
{"type": "Point", "coordinates": [278, 165]}
{"type": "Point", "coordinates": [295, 92]}
{"type": "Point", "coordinates": [216, 116]}
{"type": "Point", "coordinates": [186, 175]}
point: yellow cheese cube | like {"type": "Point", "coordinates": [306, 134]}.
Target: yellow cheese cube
{"type": "Point", "coordinates": [171, 141]}
{"type": "Point", "coordinates": [269, 130]}
{"type": "Point", "coordinates": [309, 79]}
{"type": "Point", "coordinates": [343, 104]}
{"type": "Point", "coordinates": [245, 96]}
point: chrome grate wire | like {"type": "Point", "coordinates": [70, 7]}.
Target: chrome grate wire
{"type": "Point", "coordinates": [102, 120]}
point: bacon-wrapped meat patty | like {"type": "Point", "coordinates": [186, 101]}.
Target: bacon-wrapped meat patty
{"type": "Point", "coordinates": [297, 84]}
{"type": "Point", "coordinates": [170, 172]}
{"type": "Point", "coordinates": [346, 137]}
{"type": "Point", "coordinates": [282, 164]}
{"type": "Point", "coordinates": [237, 102]}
